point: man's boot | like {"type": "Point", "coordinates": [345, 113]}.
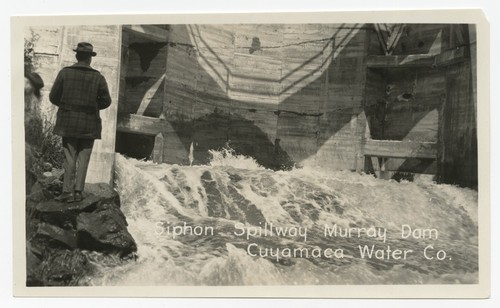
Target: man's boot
{"type": "Point", "coordinates": [77, 197]}
{"type": "Point", "coordinates": [64, 197]}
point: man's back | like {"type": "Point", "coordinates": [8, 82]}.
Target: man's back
{"type": "Point", "coordinates": [80, 92]}
{"type": "Point", "coordinates": [80, 88]}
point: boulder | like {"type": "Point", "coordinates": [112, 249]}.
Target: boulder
{"type": "Point", "coordinates": [64, 268]}
{"type": "Point", "coordinates": [52, 236]}
{"type": "Point", "coordinates": [47, 166]}
{"type": "Point", "coordinates": [39, 193]}
{"type": "Point", "coordinates": [64, 214]}
{"type": "Point", "coordinates": [33, 262]}
{"type": "Point", "coordinates": [29, 159]}
{"type": "Point", "coordinates": [58, 232]}
{"type": "Point", "coordinates": [105, 191]}
{"type": "Point", "coordinates": [105, 230]}
{"type": "Point", "coordinates": [52, 181]}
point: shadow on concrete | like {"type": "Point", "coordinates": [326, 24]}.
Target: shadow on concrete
{"type": "Point", "coordinates": [219, 129]}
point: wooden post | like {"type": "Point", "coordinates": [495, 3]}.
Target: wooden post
{"type": "Point", "coordinates": [383, 170]}
{"type": "Point", "coordinates": [361, 123]}
{"type": "Point", "coordinates": [158, 149]}
{"type": "Point", "coordinates": [359, 158]}
{"type": "Point", "coordinates": [473, 62]}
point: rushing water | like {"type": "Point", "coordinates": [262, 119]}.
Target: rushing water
{"type": "Point", "coordinates": [218, 205]}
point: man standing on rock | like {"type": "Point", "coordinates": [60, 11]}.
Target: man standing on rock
{"type": "Point", "coordinates": [80, 92]}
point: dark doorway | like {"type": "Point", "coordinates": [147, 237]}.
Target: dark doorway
{"type": "Point", "coordinates": [135, 145]}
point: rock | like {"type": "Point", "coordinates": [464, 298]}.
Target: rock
{"type": "Point", "coordinates": [30, 180]}
{"type": "Point", "coordinates": [33, 248]}
{"type": "Point", "coordinates": [235, 177]}
{"type": "Point", "coordinates": [33, 262]}
{"type": "Point", "coordinates": [252, 214]}
{"type": "Point", "coordinates": [215, 201]}
{"type": "Point", "coordinates": [29, 174]}
{"type": "Point", "coordinates": [58, 173]}
{"type": "Point", "coordinates": [39, 193]}
{"type": "Point", "coordinates": [56, 232]}
{"type": "Point", "coordinates": [46, 187]}
{"type": "Point", "coordinates": [105, 191]}
{"type": "Point", "coordinates": [55, 237]}
{"type": "Point", "coordinates": [55, 187]}
{"type": "Point", "coordinates": [64, 214]}
{"type": "Point", "coordinates": [105, 230]}
{"type": "Point", "coordinates": [47, 166]}
{"type": "Point", "coordinates": [52, 181]}
{"type": "Point", "coordinates": [64, 268]}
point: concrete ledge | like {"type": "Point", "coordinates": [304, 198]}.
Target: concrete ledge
{"type": "Point", "coordinates": [423, 60]}
{"type": "Point", "coordinates": [136, 124]}
{"type": "Point", "coordinates": [151, 32]}
{"type": "Point", "coordinates": [400, 149]}
{"type": "Point", "coordinates": [447, 57]}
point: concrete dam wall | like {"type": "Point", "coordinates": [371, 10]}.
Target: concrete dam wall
{"type": "Point", "coordinates": [388, 99]}
{"type": "Point", "coordinates": [271, 90]}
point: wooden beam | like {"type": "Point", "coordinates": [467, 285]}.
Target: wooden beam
{"type": "Point", "coordinates": [136, 124]}
{"type": "Point", "coordinates": [452, 56]}
{"type": "Point", "coordinates": [422, 60]}
{"type": "Point", "coordinates": [148, 96]}
{"type": "Point", "coordinates": [158, 149]}
{"type": "Point", "coordinates": [400, 149]}
{"type": "Point", "coordinates": [394, 37]}
{"type": "Point", "coordinates": [151, 32]}
{"type": "Point", "coordinates": [381, 38]}
{"type": "Point", "coordinates": [445, 58]}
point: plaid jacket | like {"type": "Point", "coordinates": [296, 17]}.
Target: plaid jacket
{"type": "Point", "coordinates": [80, 92]}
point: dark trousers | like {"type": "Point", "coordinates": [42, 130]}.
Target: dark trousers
{"type": "Point", "coordinates": [76, 161]}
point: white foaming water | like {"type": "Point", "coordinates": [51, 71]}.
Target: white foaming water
{"type": "Point", "coordinates": [234, 190]}
{"type": "Point", "coordinates": [226, 157]}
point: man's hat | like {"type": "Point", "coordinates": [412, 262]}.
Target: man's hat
{"type": "Point", "coordinates": [36, 81]}
{"type": "Point", "coordinates": [84, 47]}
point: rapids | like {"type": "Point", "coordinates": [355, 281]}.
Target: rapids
{"type": "Point", "coordinates": [189, 221]}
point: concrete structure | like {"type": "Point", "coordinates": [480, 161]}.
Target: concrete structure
{"type": "Point", "coordinates": [389, 99]}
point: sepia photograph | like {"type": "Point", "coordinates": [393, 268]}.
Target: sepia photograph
{"type": "Point", "coordinates": [251, 154]}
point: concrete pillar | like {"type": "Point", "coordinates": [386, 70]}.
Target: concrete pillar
{"type": "Point", "coordinates": [107, 45]}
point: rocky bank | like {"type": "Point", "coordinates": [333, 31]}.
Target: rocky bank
{"type": "Point", "coordinates": [62, 238]}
